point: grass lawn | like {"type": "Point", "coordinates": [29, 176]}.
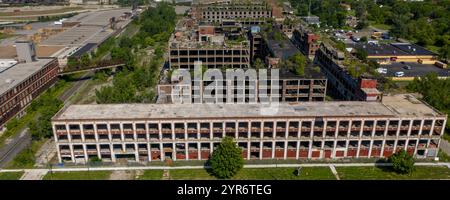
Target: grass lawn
{"type": "Point", "coordinates": [382, 26]}
{"type": "Point", "coordinates": [190, 174]}
{"type": "Point", "coordinates": [307, 173]}
{"type": "Point", "coordinates": [376, 173]}
{"type": "Point", "coordinates": [10, 175]}
{"type": "Point", "coordinates": [91, 175]}
{"type": "Point", "coordinates": [151, 175]}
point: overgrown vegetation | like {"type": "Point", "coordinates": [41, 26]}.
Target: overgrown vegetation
{"type": "Point", "coordinates": [425, 23]}
{"type": "Point", "coordinates": [135, 82]}
{"type": "Point", "coordinates": [227, 159]}
{"type": "Point", "coordinates": [435, 92]}
{"type": "Point", "coordinates": [402, 162]}
{"type": "Point", "coordinates": [296, 64]}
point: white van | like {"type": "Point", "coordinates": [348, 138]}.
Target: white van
{"type": "Point", "coordinates": [399, 74]}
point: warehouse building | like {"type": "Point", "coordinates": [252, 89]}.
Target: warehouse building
{"type": "Point", "coordinates": [341, 83]}
{"type": "Point", "coordinates": [307, 130]}
{"type": "Point", "coordinates": [215, 46]}
{"type": "Point", "coordinates": [23, 81]}
{"type": "Point", "coordinates": [254, 12]}
{"type": "Point", "coordinates": [285, 87]}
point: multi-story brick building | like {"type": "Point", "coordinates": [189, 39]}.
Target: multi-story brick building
{"type": "Point", "coordinates": [255, 12]}
{"type": "Point", "coordinates": [215, 47]}
{"type": "Point", "coordinates": [307, 130]}
{"type": "Point", "coordinates": [23, 82]}
{"type": "Point", "coordinates": [342, 84]}
{"type": "Point", "coordinates": [306, 41]}
{"type": "Point", "coordinates": [286, 87]}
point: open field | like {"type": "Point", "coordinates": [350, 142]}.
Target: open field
{"type": "Point", "coordinates": [10, 175]}
{"type": "Point", "coordinates": [307, 173]}
{"type": "Point", "coordinates": [151, 175]}
{"type": "Point", "coordinates": [384, 173]}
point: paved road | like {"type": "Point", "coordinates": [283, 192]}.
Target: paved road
{"type": "Point", "coordinates": [34, 174]}
{"type": "Point", "coordinates": [445, 146]}
{"type": "Point", "coordinates": [21, 141]}
{"type": "Point", "coordinates": [14, 146]}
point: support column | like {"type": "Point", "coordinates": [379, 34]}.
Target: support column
{"type": "Point", "coordinates": [82, 132]}
{"type": "Point", "coordinates": [85, 153]}
{"type": "Point", "coordinates": [99, 154]}
{"type": "Point", "coordinates": [122, 136]}
{"type": "Point", "coordinates": [310, 148]}
{"type": "Point", "coordinates": [297, 151]}
{"type": "Point", "coordinates": [136, 152]}
{"type": "Point", "coordinates": [186, 150]}
{"type": "Point", "coordinates": [370, 147]}
{"type": "Point", "coordinates": [199, 155]}
{"type": "Point", "coordinates": [71, 152]}
{"type": "Point", "coordinates": [359, 147]}
{"type": "Point", "coordinates": [113, 155]}
{"type": "Point", "coordinates": [285, 149]}
{"type": "Point", "coordinates": [161, 151]}
{"type": "Point", "coordinates": [273, 149]}
{"type": "Point", "coordinates": [261, 150]}
{"type": "Point", "coordinates": [58, 152]}
{"type": "Point", "coordinates": [149, 151]}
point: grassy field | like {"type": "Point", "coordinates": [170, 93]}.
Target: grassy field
{"type": "Point", "coordinates": [384, 173]}
{"type": "Point", "coordinates": [151, 175]}
{"type": "Point", "coordinates": [10, 175]}
{"type": "Point", "coordinates": [382, 26]}
{"type": "Point", "coordinates": [91, 175]}
{"type": "Point", "coordinates": [307, 173]}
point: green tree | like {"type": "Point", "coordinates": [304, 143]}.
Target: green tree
{"type": "Point", "coordinates": [227, 159]}
{"type": "Point", "coordinates": [402, 162]}
{"type": "Point", "coordinates": [258, 64]}
{"type": "Point", "coordinates": [361, 54]}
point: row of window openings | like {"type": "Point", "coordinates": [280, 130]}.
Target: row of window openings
{"type": "Point", "coordinates": [257, 145]}
{"type": "Point", "coordinates": [318, 126]}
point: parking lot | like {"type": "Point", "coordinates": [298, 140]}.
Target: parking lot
{"type": "Point", "coordinates": [417, 70]}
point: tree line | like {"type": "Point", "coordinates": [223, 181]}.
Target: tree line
{"type": "Point", "coordinates": [425, 23]}
{"type": "Point", "coordinates": [136, 82]}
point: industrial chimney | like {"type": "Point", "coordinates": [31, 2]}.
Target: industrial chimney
{"type": "Point", "coordinates": [26, 52]}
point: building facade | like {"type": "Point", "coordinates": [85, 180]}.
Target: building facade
{"type": "Point", "coordinates": [341, 83]}
{"type": "Point", "coordinates": [247, 13]}
{"type": "Point", "coordinates": [23, 82]}
{"type": "Point", "coordinates": [285, 88]}
{"type": "Point", "coordinates": [311, 130]}
{"type": "Point", "coordinates": [306, 41]}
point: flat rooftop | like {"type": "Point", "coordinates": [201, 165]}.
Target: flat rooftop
{"type": "Point", "coordinates": [97, 18]}
{"type": "Point", "coordinates": [394, 49]}
{"type": "Point", "coordinates": [16, 74]}
{"type": "Point", "coordinates": [10, 52]}
{"type": "Point", "coordinates": [392, 106]}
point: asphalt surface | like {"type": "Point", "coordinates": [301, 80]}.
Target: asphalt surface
{"type": "Point", "coordinates": [12, 148]}
{"type": "Point", "coordinates": [21, 141]}
{"type": "Point", "coordinates": [417, 70]}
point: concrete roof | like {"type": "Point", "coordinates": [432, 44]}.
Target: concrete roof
{"type": "Point", "coordinates": [19, 72]}
{"type": "Point", "coordinates": [98, 18]}
{"type": "Point", "coordinates": [392, 106]}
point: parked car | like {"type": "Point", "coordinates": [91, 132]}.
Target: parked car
{"type": "Point", "coordinates": [399, 74]}
{"type": "Point", "coordinates": [382, 70]}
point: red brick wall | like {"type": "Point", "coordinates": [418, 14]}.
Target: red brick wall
{"type": "Point", "coordinates": [368, 83]}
